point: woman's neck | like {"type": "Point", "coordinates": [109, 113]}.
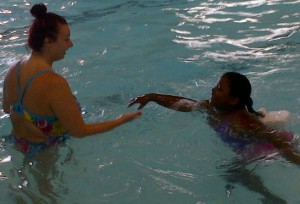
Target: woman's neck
{"type": "Point", "coordinates": [41, 59]}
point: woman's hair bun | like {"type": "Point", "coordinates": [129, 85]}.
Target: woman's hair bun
{"type": "Point", "coordinates": [38, 10]}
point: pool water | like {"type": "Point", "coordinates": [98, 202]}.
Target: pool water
{"type": "Point", "coordinates": [126, 48]}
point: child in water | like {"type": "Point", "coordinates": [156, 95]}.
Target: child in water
{"type": "Point", "coordinates": [231, 114]}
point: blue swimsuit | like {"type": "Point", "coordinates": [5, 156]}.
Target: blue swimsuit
{"type": "Point", "coordinates": [224, 132]}
{"type": "Point", "coordinates": [48, 125]}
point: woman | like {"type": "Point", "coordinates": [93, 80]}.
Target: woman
{"type": "Point", "coordinates": [40, 101]}
{"type": "Point", "coordinates": [231, 114]}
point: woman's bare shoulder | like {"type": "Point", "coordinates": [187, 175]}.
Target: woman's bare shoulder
{"type": "Point", "coordinates": [11, 69]}
{"type": "Point", "coordinates": [55, 78]}
{"type": "Point", "coordinates": [58, 83]}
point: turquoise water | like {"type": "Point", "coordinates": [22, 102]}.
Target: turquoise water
{"type": "Point", "coordinates": [126, 48]}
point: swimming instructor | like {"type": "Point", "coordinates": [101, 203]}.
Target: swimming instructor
{"type": "Point", "coordinates": [40, 102]}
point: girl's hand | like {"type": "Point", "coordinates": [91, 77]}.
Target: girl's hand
{"type": "Point", "coordinates": [142, 100]}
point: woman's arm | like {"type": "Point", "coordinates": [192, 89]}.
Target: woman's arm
{"type": "Point", "coordinates": [178, 103]}
{"type": "Point", "coordinates": [65, 107]}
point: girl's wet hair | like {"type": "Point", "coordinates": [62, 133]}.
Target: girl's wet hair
{"type": "Point", "coordinates": [240, 87]}
{"type": "Point", "coordinates": [45, 25]}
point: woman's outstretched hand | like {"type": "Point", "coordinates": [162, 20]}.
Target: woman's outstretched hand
{"type": "Point", "coordinates": [130, 116]}
{"type": "Point", "coordinates": [142, 100]}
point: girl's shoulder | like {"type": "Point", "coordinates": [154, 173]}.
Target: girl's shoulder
{"type": "Point", "coordinates": [246, 120]}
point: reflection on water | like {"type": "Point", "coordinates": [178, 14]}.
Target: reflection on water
{"type": "Point", "coordinates": [239, 31]}
{"type": "Point", "coordinates": [239, 174]}
{"type": "Point", "coordinates": [38, 179]}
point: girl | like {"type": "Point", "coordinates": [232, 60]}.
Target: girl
{"type": "Point", "coordinates": [231, 114]}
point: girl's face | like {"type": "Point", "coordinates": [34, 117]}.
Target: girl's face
{"type": "Point", "coordinates": [220, 97]}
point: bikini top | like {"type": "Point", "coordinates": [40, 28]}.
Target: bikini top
{"type": "Point", "coordinates": [48, 125]}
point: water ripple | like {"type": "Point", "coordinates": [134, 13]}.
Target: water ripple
{"type": "Point", "coordinates": [226, 31]}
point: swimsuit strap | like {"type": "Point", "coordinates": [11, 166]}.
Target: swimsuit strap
{"type": "Point", "coordinates": [18, 80]}
{"type": "Point", "coordinates": [21, 95]}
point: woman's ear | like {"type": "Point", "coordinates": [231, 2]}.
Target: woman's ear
{"type": "Point", "coordinates": [48, 41]}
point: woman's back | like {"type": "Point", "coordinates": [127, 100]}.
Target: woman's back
{"type": "Point", "coordinates": [30, 87]}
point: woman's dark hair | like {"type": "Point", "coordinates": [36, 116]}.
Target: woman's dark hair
{"type": "Point", "coordinates": [240, 87]}
{"type": "Point", "coordinates": [45, 25]}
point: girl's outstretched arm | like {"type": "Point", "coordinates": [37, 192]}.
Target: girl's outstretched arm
{"type": "Point", "coordinates": [178, 103]}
